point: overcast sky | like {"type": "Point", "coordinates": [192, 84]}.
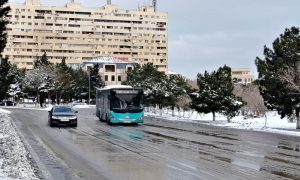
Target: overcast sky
{"type": "Point", "coordinates": [206, 34]}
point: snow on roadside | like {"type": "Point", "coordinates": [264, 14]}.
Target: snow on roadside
{"type": "Point", "coordinates": [4, 111]}
{"type": "Point", "coordinates": [270, 123]}
{"type": "Point", "coordinates": [49, 106]}
{"type": "Point", "coordinates": [14, 158]}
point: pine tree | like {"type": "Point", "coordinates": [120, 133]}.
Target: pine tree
{"type": "Point", "coordinates": [63, 80]}
{"type": "Point", "coordinates": [177, 87]}
{"type": "Point", "coordinates": [215, 93]}
{"type": "Point", "coordinates": [36, 82]}
{"type": "Point", "coordinates": [17, 76]}
{"type": "Point", "coordinates": [42, 61]}
{"type": "Point", "coordinates": [4, 10]}
{"type": "Point", "coordinates": [63, 62]}
{"type": "Point", "coordinates": [5, 81]}
{"type": "Point", "coordinates": [80, 84]}
{"type": "Point", "coordinates": [95, 80]}
{"type": "Point", "coordinates": [279, 74]}
{"type": "Point", "coordinates": [153, 82]}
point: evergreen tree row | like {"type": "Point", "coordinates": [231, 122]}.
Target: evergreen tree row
{"type": "Point", "coordinates": [213, 95]}
{"type": "Point", "coordinates": [48, 81]}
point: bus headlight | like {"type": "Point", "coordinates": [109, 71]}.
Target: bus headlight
{"type": "Point", "coordinates": [112, 117]}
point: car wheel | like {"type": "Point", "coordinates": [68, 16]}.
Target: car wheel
{"type": "Point", "coordinates": [51, 124]}
{"type": "Point", "coordinates": [107, 119]}
{"type": "Point", "coordinates": [100, 116]}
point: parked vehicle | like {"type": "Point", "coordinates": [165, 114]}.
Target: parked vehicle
{"type": "Point", "coordinates": [7, 103]}
{"type": "Point", "coordinates": [10, 103]}
{"type": "Point", "coordinates": [62, 115]}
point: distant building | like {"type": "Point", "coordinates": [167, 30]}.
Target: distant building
{"type": "Point", "coordinates": [112, 70]}
{"type": "Point", "coordinates": [172, 73]}
{"type": "Point", "coordinates": [79, 33]}
{"type": "Point", "coordinates": [242, 75]}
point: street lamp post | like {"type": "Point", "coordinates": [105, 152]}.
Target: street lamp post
{"type": "Point", "coordinates": [89, 86]}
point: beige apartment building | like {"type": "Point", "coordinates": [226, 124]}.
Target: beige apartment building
{"type": "Point", "coordinates": [79, 33]}
{"type": "Point", "coordinates": [242, 75]}
{"type": "Point", "coordinates": [112, 70]}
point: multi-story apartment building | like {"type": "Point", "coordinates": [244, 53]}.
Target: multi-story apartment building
{"type": "Point", "coordinates": [79, 33]}
{"type": "Point", "coordinates": [242, 75]}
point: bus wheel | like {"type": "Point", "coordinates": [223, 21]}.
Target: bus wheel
{"type": "Point", "coordinates": [107, 119]}
{"type": "Point", "coordinates": [100, 117]}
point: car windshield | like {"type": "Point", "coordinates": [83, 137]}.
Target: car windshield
{"type": "Point", "coordinates": [63, 110]}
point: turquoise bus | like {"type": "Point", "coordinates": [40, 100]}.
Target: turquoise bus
{"type": "Point", "coordinates": [120, 104]}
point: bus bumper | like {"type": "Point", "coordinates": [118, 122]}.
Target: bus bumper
{"type": "Point", "coordinates": [126, 118]}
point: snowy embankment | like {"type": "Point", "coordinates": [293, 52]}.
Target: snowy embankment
{"type": "Point", "coordinates": [270, 123]}
{"type": "Point", "coordinates": [14, 158]}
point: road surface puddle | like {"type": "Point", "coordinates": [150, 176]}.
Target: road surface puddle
{"type": "Point", "coordinates": [246, 164]}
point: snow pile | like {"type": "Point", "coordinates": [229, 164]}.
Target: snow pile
{"type": "Point", "coordinates": [14, 159]}
{"type": "Point", "coordinates": [3, 111]}
{"type": "Point", "coordinates": [84, 106]}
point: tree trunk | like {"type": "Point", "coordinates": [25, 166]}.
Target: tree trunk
{"type": "Point", "coordinates": [49, 99]}
{"type": "Point", "coordinates": [298, 119]}
{"type": "Point", "coordinates": [214, 116]}
{"type": "Point", "coordinates": [37, 102]}
{"type": "Point", "coordinates": [160, 109]}
{"type": "Point", "coordinates": [173, 111]}
{"type": "Point", "coordinates": [228, 119]}
{"type": "Point", "coordinates": [56, 98]}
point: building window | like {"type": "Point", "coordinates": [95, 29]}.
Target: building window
{"type": "Point", "coordinates": [129, 68]}
{"type": "Point", "coordinates": [110, 68]}
{"type": "Point", "coordinates": [106, 78]}
{"type": "Point", "coordinates": [112, 78]}
{"type": "Point", "coordinates": [119, 78]}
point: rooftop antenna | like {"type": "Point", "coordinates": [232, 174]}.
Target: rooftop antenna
{"type": "Point", "coordinates": [154, 5]}
{"type": "Point", "coordinates": [108, 2]}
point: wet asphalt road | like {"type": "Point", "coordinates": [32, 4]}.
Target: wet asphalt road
{"type": "Point", "coordinates": [155, 150]}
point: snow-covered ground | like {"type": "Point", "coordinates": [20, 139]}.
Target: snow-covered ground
{"type": "Point", "coordinates": [14, 158]}
{"type": "Point", "coordinates": [270, 123]}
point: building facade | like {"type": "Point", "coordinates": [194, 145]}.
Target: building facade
{"type": "Point", "coordinates": [112, 70]}
{"type": "Point", "coordinates": [242, 75]}
{"type": "Point", "coordinates": [79, 33]}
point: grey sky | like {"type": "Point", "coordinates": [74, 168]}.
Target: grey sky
{"type": "Point", "coordinates": [206, 34]}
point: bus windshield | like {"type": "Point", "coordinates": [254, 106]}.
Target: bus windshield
{"type": "Point", "coordinates": [128, 101]}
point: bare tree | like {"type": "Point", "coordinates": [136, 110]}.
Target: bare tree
{"type": "Point", "coordinates": [192, 83]}
{"type": "Point", "coordinates": [291, 77]}
{"type": "Point", "coordinates": [251, 95]}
